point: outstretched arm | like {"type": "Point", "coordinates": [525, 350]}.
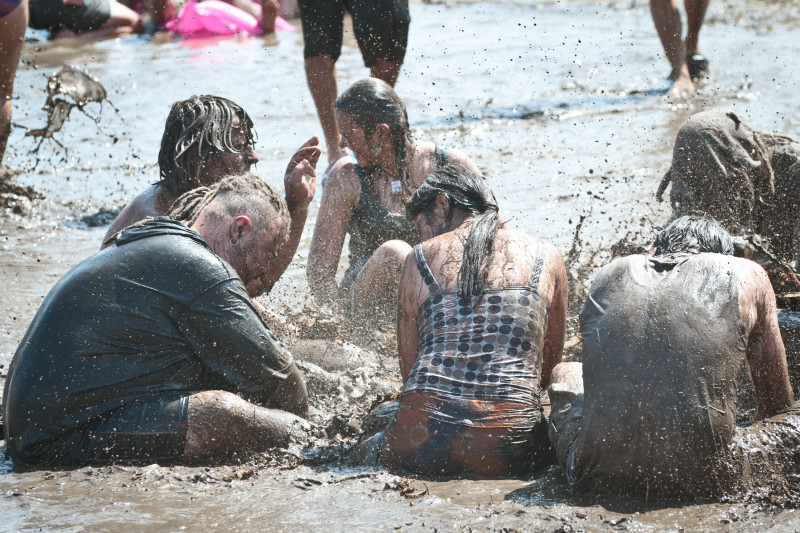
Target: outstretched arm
{"type": "Point", "coordinates": [766, 356]}
{"type": "Point", "coordinates": [339, 198]}
{"type": "Point", "coordinates": [300, 181]}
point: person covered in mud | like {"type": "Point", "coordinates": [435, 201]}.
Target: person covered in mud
{"type": "Point", "coordinates": [205, 139]}
{"type": "Point", "coordinates": [652, 409]}
{"type": "Point", "coordinates": [481, 323]}
{"type": "Point", "coordinates": [366, 195]}
{"type": "Point", "coordinates": [86, 18]}
{"type": "Point", "coordinates": [13, 21]}
{"type": "Point", "coordinates": [152, 349]}
{"type": "Point", "coordinates": [749, 180]}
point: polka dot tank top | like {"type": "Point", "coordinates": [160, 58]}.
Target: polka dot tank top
{"type": "Point", "coordinates": [486, 349]}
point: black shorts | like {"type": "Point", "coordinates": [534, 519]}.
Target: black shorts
{"type": "Point", "coordinates": [53, 15]}
{"type": "Point", "coordinates": [380, 26]}
{"type": "Point", "coordinates": [142, 431]}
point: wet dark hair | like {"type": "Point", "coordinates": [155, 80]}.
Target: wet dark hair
{"type": "Point", "coordinates": [464, 189]}
{"type": "Point", "coordinates": [196, 128]}
{"type": "Point", "coordinates": [371, 102]}
{"type": "Point", "coordinates": [693, 234]}
{"type": "Point", "coordinates": [235, 194]}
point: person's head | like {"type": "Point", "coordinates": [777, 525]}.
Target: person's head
{"type": "Point", "coordinates": [243, 219]}
{"type": "Point", "coordinates": [720, 165]}
{"type": "Point", "coordinates": [442, 203]}
{"type": "Point", "coordinates": [694, 235]}
{"type": "Point", "coordinates": [205, 139]}
{"type": "Point", "coordinates": [369, 115]}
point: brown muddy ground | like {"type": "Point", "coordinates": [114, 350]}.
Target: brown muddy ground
{"type": "Point", "coordinates": [560, 103]}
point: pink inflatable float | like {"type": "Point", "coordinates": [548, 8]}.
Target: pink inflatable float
{"type": "Point", "coordinates": [215, 17]}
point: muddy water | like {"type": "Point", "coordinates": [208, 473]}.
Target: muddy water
{"type": "Point", "coordinates": [561, 103]}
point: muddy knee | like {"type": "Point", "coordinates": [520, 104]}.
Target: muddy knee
{"type": "Point", "coordinates": [222, 423]}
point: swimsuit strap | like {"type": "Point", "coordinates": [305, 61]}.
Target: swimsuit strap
{"type": "Point", "coordinates": [441, 156]}
{"type": "Point", "coordinates": [425, 271]}
{"type": "Point", "coordinates": [533, 281]}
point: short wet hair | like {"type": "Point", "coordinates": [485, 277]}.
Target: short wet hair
{"type": "Point", "coordinates": [370, 102]}
{"type": "Point", "coordinates": [233, 195]}
{"type": "Point", "coordinates": [195, 128]}
{"type": "Point", "coordinates": [465, 189]}
{"type": "Point", "coordinates": [693, 234]}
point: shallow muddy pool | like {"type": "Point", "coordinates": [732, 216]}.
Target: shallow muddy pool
{"type": "Point", "coordinates": [562, 104]}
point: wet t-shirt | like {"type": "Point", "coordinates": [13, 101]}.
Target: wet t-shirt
{"type": "Point", "coordinates": [663, 342]}
{"type": "Point", "coordinates": [157, 313]}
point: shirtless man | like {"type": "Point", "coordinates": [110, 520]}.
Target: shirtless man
{"type": "Point", "coordinates": [664, 337]}
{"type": "Point", "coordinates": [205, 139]}
{"type": "Point", "coordinates": [153, 349]}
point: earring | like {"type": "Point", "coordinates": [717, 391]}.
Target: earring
{"type": "Point", "coordinates": [234, 243]}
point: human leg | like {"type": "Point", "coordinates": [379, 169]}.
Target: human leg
{"type": "Point", "coordinates": [695, 13]}
{"type": "Point", "coordinates": [323, 28]}
{"type": "Point", "coordinates": [375, 287]}
{"type": "Point", "coordinates": [221, 423]}
{"type": "Point", "coordinates": [321, 78]}
{"type": "Point", "coordinates": [12, 37]}
{"type": "Point", "coordinates": [386, 71]}
{"type": "Point", "coordinates": [381, 29]}
{"type": "Point", "coordinates": [667, 20]}
{"type": "Point", "coordinates": [566, 410]}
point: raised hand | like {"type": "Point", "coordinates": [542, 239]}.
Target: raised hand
{"type": "Point", "coordinates": [300, 180]}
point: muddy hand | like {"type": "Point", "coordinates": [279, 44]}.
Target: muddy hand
{"type": "Point", "coordinates": [300, 179]}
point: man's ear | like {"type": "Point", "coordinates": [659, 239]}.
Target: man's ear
{"type": "Point", "coordinates": [442, 204]}
{"type": "Point", "coordinates": [240, 225]}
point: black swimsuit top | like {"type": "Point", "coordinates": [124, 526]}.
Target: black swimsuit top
{"type": "Point", "coordinates": [372, 224]}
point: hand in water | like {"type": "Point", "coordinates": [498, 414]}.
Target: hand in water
{"type": "Point", "coordinates": [300, 179]}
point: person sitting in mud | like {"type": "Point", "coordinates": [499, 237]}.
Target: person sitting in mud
{"type": "Point", "coordinates": [749, 180]}
{"type": "Point", "coordinates": [205, 139]}
{"type": "Point", "coordinates": [651, 411]}
{"type": "Point", "coordinates": [481, 323]}
{"type": "Point", "coordinates": [152, 349]}
{"type": "Point", "coordinates": [365, 196]}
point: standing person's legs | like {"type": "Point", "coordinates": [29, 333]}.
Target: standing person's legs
{"type": "Point", "coordinates": [12, 37]}
{"type": "Point", "coordinates": [323, 25]}
{"type": "Point", "coordinates": [381, 29]}
{"type": "Point", "coordinates": [667, 20]}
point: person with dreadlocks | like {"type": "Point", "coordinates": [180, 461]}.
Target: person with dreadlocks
{"type": "Point", "coordinates": [153, 349]}
{"type": "Point", "coordinates": [651, 410]}
{"type": "Point", "coordinates": [748, 180]}
{"type": "Point", "coordinates": [480, 326]}
{"type": "Point", "coordinates": [207, 138]}
{"type": "Point", "coordinates": [365, 196]}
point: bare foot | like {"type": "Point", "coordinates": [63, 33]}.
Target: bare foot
{"type": "Point", "coordinates": [682, 84]}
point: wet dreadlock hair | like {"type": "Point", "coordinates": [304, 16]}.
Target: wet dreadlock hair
{"type": "Point", "coordinates": [467, 190]}
{"type": "Point", "coordinates": [196, 128]}
{"type": "Point", "coordinates": [371, 102]}
{"type": "Point", "coordinates": [693, 234]}
{"type": "Point", "coordinates": [232, 196]}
